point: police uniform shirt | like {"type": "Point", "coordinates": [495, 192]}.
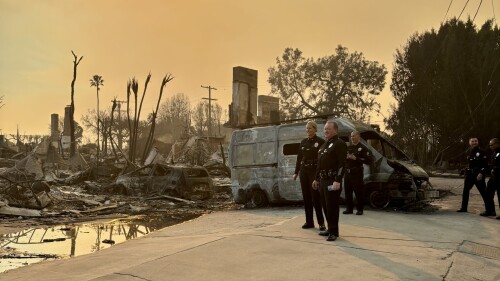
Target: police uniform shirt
{"type": "Point", "coordinates": [478, 161]}
{"type": "Point", "coordinates": [331, 157]}
{"type": "Point", "coordinates": [363, 156]}
{"type": "Point", "coordinates": [495, 163]}
{"type": "Point", "coordinates": [308, 153]}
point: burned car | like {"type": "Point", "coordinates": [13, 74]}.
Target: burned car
{"type": "Point", "coordinates": [187, 182]}
{"type": "Point", "coordinates": [262, 161]}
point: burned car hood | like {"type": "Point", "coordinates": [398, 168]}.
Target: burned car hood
{"type": "Point", "coordinates": [415, 170]}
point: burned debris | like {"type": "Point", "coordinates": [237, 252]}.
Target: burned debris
{"type": "Point", "coordinates": [48, 184]}
{"type": "Point", "coordinates": [186, 182]}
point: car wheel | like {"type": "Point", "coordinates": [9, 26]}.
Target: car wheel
{"type": "Point", "coordinates": [259, 198]}
{"type": "Point", "coordinates": [379, 199]}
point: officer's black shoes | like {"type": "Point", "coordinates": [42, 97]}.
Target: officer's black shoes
{"type": "Point", "coordinates": [461, 211]}
{"type": "Point", "coordinates": [307, 225]}
{"type": "Point", "coordinates": [359, 213]}
{"type": "Point", "coordinates": [347, 212]}
{"type": "Point", "coordinates": [331, 238]}
{"type": "Point", "coordinates": [322, 227]}
{"type": "Point", "coordinates": [498, 218]}
{"type": "Point", "coordinates": [487, 214]}
{"type": "Point", "coordinates": [324, 233]}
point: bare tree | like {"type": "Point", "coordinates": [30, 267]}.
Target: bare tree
{"type": "Point", "coordinates": [133, 86]}
{"type": "Point", "coordinates": [149, 142]}
{"type": "Point", "coordinates": [76, 61]}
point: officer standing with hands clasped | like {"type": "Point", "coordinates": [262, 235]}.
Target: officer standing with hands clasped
{"type": "Point", "coordinates": [305, 167]}
{"type": "Point", "coordinates": [330, 171]}
{"type": "Point", "coordinates": [474, 174]}
{"type": "Point", "coordinates": [357, 155]}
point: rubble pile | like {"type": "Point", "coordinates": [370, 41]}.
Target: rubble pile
{"type": "Point", "coordinates": [33, 188]}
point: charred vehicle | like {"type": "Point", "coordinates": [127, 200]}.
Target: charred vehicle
{"type": "Point", "coordinates": [188, 182]}
{"type": "Point", "coordinates": [262, 161]}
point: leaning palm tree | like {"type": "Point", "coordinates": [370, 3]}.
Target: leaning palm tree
{"type": "Point", "coordinates": [97, 81]}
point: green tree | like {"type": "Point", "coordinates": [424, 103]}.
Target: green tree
{"type": "Point", "coordinates": [344, 84]}
{"type": "Point", "coordinates": [446, 84]}
{"type": "Point", "coordinates": [97, 82]}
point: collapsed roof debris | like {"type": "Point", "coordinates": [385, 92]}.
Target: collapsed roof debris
{"type": "Point", "coordinates": [207, 152]}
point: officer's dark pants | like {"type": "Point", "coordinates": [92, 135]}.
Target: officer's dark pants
{"type": "Point", "coordinates": [492, 186]}
{"type": "Point", "coordinates": [469, 182]}
{"type": "Point", "coordinates": [331, 199]}
{"type": "Point", "coordinates": [353, 182]}
{"type": "Point", "coordinates": [311, 197]}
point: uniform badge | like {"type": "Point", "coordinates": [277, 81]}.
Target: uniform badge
{"type": "Point", "coordinates": [477, 154]}
{"type": "Point", "coordinates": [498, 154]}
{"type": "Point", "coordinates": [359, 149]}
{"type": "Point", "coordinates": [330, 145]}
{"type": "Point", "coordinates": [316, 144]}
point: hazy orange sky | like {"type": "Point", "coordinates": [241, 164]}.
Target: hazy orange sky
{"type": "Point", "coordinates": [198, 42]}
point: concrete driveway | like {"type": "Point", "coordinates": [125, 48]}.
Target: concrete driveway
{"type": "Point", "coordinates": [269, 244]}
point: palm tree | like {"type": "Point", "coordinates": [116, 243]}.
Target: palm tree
{"type": "Point", "coordinates": [97, 81]}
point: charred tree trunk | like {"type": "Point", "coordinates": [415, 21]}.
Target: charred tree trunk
{"type": "Point", "coordinates": [111, 127]}
{"type": "Point", "coordinates": [149, 141]}
{"type": "Point", "coordinates": [76, 61]}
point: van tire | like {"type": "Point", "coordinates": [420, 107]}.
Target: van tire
{"type": "Point", "coordinates": [379, 199]}
{"type": "Point", "coordinates": [259, 198]}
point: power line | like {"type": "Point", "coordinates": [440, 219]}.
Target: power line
{"type": "Point", "coordinates": [463, 9]}
{"type": "Point", "coordinates": [493, 7]}
{"type": "Point", "coordinates": [449, 10]}
{"type": "Point", "coordinates": [477, 10]}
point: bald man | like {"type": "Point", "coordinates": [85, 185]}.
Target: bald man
{"type": "Point", "coordinates": [329, 176]}
{"type": "Point", "coordinates": [357, 155]}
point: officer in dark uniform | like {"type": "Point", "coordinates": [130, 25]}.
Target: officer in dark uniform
{"type": "Point", "coordinates": [305, 167]}
{"type": "Point", "coordinates": [357, 155]}
{"type": "Point", "coordinates": [475, 173]}
{"type": "Point", "coordinates": [331, 160]}
{"type": "Point", "coordinates": [494, 181]}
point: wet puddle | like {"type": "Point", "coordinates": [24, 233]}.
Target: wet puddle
{"type": "Point", "coordinates": [37, 244]}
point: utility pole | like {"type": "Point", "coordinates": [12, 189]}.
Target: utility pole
{"type": "Point", "coordinates": [120, 137]}
{"type": "Point", "coordinates": [210, 99]}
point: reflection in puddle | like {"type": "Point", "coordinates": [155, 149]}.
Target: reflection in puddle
{"type": "Point", "coordinates": [37, 244]}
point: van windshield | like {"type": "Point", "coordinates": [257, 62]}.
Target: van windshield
{"type": "Point", "coordinates": [385, 148]}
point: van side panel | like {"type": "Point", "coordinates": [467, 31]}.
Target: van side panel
{"type": "Point", "coordinates": [253, 162]}
{"type": "Point", "coordinates": [243, 179]}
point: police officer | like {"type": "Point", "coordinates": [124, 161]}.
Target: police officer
{"type": "Point", "coordinates": [494, 181]}
{"type": "Point", "coordinates": [305, 167]}
{"type": "Point", "coordinates": [474, 174]}
{"type": "Point", "coordinates": [357, 155]}
{"type": "Point", "coordinates": [330, 171]}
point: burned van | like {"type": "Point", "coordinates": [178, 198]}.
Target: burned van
{"type": "Point", "coordinates": [262, 162]}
